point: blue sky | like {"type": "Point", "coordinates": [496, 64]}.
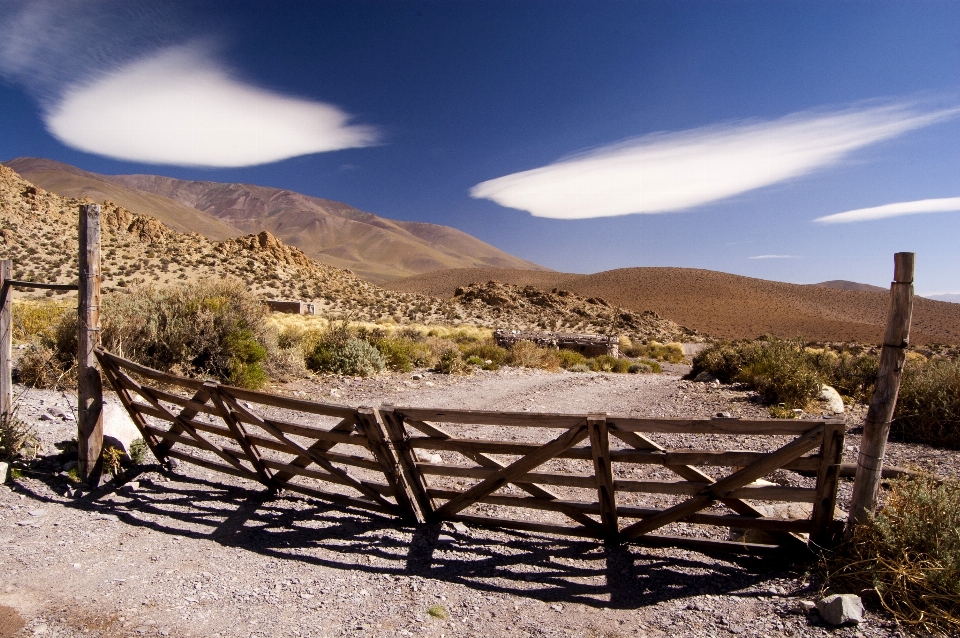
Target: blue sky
{"type": "Point", "coordinates": [795, 141]}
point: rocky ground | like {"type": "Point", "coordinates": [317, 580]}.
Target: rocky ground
{"type": "Point", "coordinates": [193, 553]}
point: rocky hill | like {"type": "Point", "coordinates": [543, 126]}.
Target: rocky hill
{"type": "Point", "coordinates": [38, 231]}
{"type": "Point", "coordinates": [376, 248]}
{"type": "Point", "coordinates": [720, 304]}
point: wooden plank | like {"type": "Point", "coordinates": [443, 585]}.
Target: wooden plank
{"type": "Point", "coordinates": [320, 475]}
{"type": "Point", "coordinates": [389, 464]}
{"type": "Point", "coordinates": [519, 467]}
{"type": "Point", "coordinates": [799, 526]}
{"type": "Point", "coordinates": [490, 462]}
{"type": "Point", "coordinates": [6, 339]}
{"type": "Point", "coordinates": [297, 405]}
{"type": "Point", "coordinates": [89, 381]}
{"type": "Point", "coordinates": [415, 481]}
{"type": "Point", "coordinates": [725, 486]}
{"type": "Point", "coordinates": [665, 457]}
{"type": "Point", "coordinates": [828, 479]}
{"type": "Point", "coordinates": [603, 472]}
{"type": "Point", "coordinates": [527, 526]}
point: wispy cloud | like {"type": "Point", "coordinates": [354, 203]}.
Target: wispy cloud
{"type": "Point", "coordinates": [775, 257]}
{"type": "Point", "coordinates": [667, 172]}
{"type": "Point", "coordinates": [121, 83]}
{"type": "Point", "coordinates": [941, 205]}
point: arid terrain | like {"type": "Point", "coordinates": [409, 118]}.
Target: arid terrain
{"type": "Point", "coordinates": [335, 233]}
{"type": "Point", "coordinates": [194, 553]}
{"type": "Point", "coordinates": [719, 304]}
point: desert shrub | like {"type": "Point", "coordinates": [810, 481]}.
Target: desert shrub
{"type": "Point", "coordinates": [608, 363]}
{"type": "Point", "coordinates": [928, 408]}
{"type": "Point", "coordinates": [350, 356]}
{"type": "Point", "coordinates": [18, 439]}
{"type": "Point", "coordinates": [671, 352]}
{"type": "Point", "coordinates": [570, 358]}
{"type": "Point", "coordinates": [909, 553]}
{"type": "Point", "coordinates": [200, 330]}
{"type": "Point", "coordinates": [526, 354]}
{"type": "Point", "coordinates": [451, 362]}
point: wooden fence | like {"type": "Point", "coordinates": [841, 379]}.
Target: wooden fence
{"type": "Point", "coordinates": [585, 475]}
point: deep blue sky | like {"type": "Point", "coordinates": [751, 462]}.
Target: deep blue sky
{"type": "Point", "coordinates": [453, 94]}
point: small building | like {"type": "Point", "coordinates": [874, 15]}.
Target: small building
{"type": "Point", "coordinates": [291, 307]}
{"type": "Point", "coordinates": [585, 344]}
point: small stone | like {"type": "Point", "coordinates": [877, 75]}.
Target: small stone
{"type": "Point", "coordinates": [841, 609]}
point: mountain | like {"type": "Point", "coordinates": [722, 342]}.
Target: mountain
{"type": "Point", "coordinates": [376, 248]}
{"type": "Point", "coordinates": [720, 304]}
{"type": "Point", "coordinates": [843, 284]}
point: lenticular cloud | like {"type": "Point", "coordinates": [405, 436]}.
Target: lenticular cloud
{"type": "Point", "coordinates": [667, 172]}
{"type": "Point", "coordinates": [940, 205]}
{"type": "Point", "coordinates": [177, 107]}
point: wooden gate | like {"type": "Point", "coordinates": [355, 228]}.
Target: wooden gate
{"type": "Point", "coordinates": [276, 441]}
{"type": "Point", "coordinates": [588, 471]}
{"type": "Point", "coordinates": [595, 476]}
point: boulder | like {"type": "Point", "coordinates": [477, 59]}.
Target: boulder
{"type": "Point", "coordinates": [841, 609]}
{"type": "Point", "coordinates": [118, 428]}
{"type": "Point", "coordinates": [832, 398]}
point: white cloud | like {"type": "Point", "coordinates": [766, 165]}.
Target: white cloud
{"type": "Point", "coordinates": [179, 107]}
{"type": "Point", "coordinates": [941, 205]}
{"type": "Point", "coordinates": [774, 257]}
{"type": "Point", "coordinates": [666, 172]}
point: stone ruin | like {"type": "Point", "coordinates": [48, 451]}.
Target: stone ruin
{"type": "Point", "coordinates": [586, 344]}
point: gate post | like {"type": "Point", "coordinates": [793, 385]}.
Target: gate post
{"type": "Point", "coordinates": [876, 426]}
{"type": "Point", "coordinates": [89, 381]}
{"type": "Point", "coordinates": [6, 338]}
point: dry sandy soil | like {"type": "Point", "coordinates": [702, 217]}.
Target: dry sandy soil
{"type": "Point", "coordinates": [719, 304]}
{"type": "Point", "coordinates": [192, 553]}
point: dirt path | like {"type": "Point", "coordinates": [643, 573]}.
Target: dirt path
{"type": "Point", "coordinates": [198, 554]}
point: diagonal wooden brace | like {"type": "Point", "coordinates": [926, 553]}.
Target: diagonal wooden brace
{"type": "Point", "coordinates": [518, 468]}
{"type": "Point", "coordinates": [721, 488]}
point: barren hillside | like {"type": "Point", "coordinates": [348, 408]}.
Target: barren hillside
{"type": "Point", "coordinates": [334, 233]}
{"type": "Point", "coordinates": [720, 304]}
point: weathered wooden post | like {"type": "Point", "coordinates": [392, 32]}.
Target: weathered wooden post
{"type": "Point", "coordinates": [90, 384]}
{"type": "Point", "coordinates": [876, 426]}
{"type": "Point", "coordinates": [6, 337]}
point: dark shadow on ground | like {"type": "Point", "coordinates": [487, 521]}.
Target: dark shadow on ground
{"type": "Point", "coordinates": [546, 568]}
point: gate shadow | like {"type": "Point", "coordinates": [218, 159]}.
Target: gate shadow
{"type": "Point", "coordinates": [545, 568]}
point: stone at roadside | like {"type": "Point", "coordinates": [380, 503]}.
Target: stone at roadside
{"type": "Point", "coordinates": [832, 398]}
{"type": "Point", "coordinates": [118, 428]}
{"type": "Point", "coordinates": [427, 457]}
{"type": "Point", "coordinates": [4, 470]}
{"type": "Point", "coordinates": [704, 377]}
{"type": "Point", "coordinates": [841, 609]}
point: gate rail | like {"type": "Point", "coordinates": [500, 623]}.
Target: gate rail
{"type": "Point", "coordinates": [580, 468]}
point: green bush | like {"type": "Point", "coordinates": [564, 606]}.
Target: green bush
{"type": "Point", "coordinates": [570, 358]}
{"type": "Point", "coordinates": [351, 356]}
{"type": "Point", "coordinates": [909, 554]}
{"type": "Point", "coordinates": [608, 363]}
{"type": "Point", "coordinates": [928, 408]}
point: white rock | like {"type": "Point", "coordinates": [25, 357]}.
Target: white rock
{"type": "Point", "coordinates": [841, 609]}
{"type": "Point", "coordinates": [118, 428]}
{"type": "Point", "coordinates": [4, 470]}
{"type": "Point", "coordinates": [832, 398]}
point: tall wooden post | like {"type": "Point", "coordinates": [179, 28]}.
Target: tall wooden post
{"type": "Point", "coordinates": [6, 338]}
{"type": "Point", "coordinates": [90, 384]}
{"type": "Point", "coordinates": [876, 427]}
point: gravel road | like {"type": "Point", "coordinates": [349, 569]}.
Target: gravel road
{"type": "Point", "coordinates": [193, 553]}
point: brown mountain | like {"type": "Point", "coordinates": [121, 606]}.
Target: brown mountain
{"type": "Point", "coordinates": [375, 248]}
{"type": "Point", "coordinates": [843, 284]}
{"type": "Point", "coordinates": [719, 304]}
